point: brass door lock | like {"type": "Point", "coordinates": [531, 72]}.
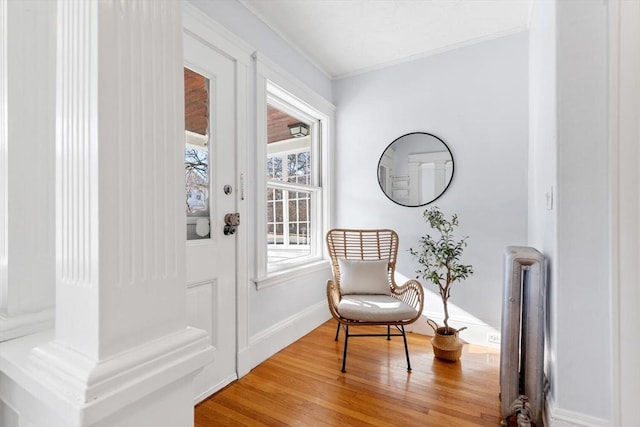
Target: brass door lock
{"type": "Point", "coordinates": [231, 221]}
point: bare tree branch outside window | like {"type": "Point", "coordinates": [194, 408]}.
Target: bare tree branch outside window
{"type": "Point", "coordinates": [197, 180]}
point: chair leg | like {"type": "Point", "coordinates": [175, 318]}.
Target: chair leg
{"type": "Point", "coordinates": [406, 348]}
{"type": "Point", "coordinates": [344, 354]}
{"type": "Point", "coordinates": [388, 332]}
{"type": "Point", "coordinates": [337, 331]}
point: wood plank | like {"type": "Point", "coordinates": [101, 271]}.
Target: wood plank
{"type": "Point", "coordinates": [196, 102]}
{"type": "Point", "coordinates": [302, 386]}
{"type": "Point", "coordinates": [278, 124]}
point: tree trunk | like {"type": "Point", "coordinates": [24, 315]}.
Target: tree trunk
{"type": "Point", "coordinates": [445, 299]}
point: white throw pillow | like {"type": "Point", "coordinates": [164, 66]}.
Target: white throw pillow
{"type": "Point", "coordinates": [364, 277]}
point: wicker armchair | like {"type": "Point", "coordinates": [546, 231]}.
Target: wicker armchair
{"type": "Point", "coordinates": [361, 255]}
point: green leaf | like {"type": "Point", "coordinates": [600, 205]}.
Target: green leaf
{"type": "Point", "coordinates": [439, 254]}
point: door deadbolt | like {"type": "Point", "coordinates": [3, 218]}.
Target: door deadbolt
{"type": "Point", "coordinates": [231, 221]}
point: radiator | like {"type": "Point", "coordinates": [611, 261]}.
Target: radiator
{"type": "Point", "coordinates": [523, 324]}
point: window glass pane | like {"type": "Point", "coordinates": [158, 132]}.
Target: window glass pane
{"type": "Point", "coordinates": [299, 167]}
{"type": "Point", "coordinates": [303, 210]}
{"type": "Point", "coordinates": [288, 156]}
{"type": "Point", "coordinates": [269, 167]}
{"type": "Point", "coordinates": [289, 160]}
{"type": "Point", "coordinates": [196, 155]}
{"type": "Point", "coordinates": [274, 167]}
{"type": "Point", "coordinates": [291, 239]}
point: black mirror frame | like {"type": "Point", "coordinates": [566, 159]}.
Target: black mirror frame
{"type": "Point", "coordinates": [453, 169]}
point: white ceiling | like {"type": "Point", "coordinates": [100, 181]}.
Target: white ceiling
{"type": "Point", "coordinates": [345, 37]}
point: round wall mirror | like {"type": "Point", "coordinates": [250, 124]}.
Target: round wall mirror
{"type": "Point", "coordinates": [415, 169]}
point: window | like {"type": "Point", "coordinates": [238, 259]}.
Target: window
{"type": "Point", "coordinates": [293, 189]}
{"type": "Point", "coordinates": [196, 155]}
{"type": "Point", "coordinates": [292, 184]}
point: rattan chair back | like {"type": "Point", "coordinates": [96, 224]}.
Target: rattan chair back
{"type": "Point", "coordinates": [366, 245]}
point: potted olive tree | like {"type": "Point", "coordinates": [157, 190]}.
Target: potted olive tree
{"type": "Point", "coordinates": [439, 259]}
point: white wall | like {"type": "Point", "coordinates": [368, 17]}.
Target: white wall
{"type": "Point", "coordinates": [569, 125]}
{"type": "Point", "coordinates": [475, 99]}
{"type": "Point", "coordinates": [27, 226]}
{"type": "Point", "coordinates": [625, 206]}
{"type": "Point", "coordinates": [581, 377]}
{"type": "Point", "coordinates": [542, 129]}
{"type": "Point", "coordinates": [543, 154]}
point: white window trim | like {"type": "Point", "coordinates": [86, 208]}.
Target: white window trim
{"type": "Point", "coordinates": [292, 145]}
{"type": "Point", "coordinates": [273, 83]}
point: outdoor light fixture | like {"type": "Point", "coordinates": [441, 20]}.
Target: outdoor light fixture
{"type": "Point", "coordinates": [299, 130]}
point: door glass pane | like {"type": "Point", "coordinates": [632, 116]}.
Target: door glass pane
{"type": "Point", "coordinates": [196, 155]}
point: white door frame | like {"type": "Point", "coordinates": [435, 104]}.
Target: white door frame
{"type": "Point", "coordinates": [210, 32]}
{"type": "Point", "coordinates": [624, 179]}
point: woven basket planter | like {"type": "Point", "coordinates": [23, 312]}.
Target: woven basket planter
{"type": "Point", "coordinates": [447, 347]}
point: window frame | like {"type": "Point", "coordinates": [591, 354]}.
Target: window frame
{"type": "Point", "coordinates": [314, 190]}
{"type": "Point", "coordinates": [193, 140]}
{"type": "Point", "coordinates": [277, 88]}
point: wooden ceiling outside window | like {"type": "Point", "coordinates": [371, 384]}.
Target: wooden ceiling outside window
{"type": "Point", "coordinates": [196, 108]}
{"type": "Point", "coordinates": [196, 102]}
{"type": "Point", "coordinates": [278, 124]}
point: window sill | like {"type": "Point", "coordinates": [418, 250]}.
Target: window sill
{"type": "Point", "coordinates": [286, 275]}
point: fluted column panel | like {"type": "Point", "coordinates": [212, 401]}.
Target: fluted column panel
{"type": "Point", "coordinates": [77, 145]}
{"type": "Point", "coordinates": [120, 193]}
{"type": "Point", "coordinates": [77, 169]}
{"type": "Point", "coordinates": [145, 140]}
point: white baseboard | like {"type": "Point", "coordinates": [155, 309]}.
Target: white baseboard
{"type": "Point", "coordinates": [273, 339]}
{"type": "Point", "coordinates": [215, 388]}
{"type": "Point", "coordinates": [558, 417]}
{"type": "Point", "coordinates": [476, 333]}
{"type": "Point", "coordinates": [24, 324]}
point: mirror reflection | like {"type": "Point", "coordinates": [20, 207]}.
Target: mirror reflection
{"type": "Point", "coordinates": [415, 169]}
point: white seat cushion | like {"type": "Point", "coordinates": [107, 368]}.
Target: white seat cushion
{"type": "Point", "coordinates": [364, 277]}
{"type": "Point", "coordinates": [374, 308]}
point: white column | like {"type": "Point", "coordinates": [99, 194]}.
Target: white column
{"type": "Point", "coordinates": [120, 174]}
{"type": "Point", "coordinates": [121, 333]}
{"type": "Point", "coordinates": [27, 140]}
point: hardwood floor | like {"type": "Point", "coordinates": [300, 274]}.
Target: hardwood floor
{"type": "Point", "coordinates": [302, 386]}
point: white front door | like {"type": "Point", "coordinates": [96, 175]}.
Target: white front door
{"type": "Point", "coordinates": [211, 193]}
